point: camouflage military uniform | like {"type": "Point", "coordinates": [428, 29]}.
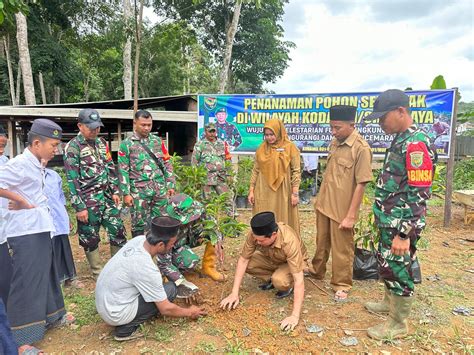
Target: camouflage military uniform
{"type": "Point", "coordinates": [181, 258]}
{"type": "Point", "coordinates": [213, 156]}
{"type": "Point", "coordinates": [229, 133]}
{"type": "Point", "coordinates": [92, 181]}
{"type": "Point", "coordinates": [403, 187]}
{"type": "Point", "coordinates": [144, 179]}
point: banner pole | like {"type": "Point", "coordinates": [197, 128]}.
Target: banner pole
{"type": "Point", "coordinates": [450, 165]}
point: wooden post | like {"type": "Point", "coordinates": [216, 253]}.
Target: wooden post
{"type": "Point", "coordinates": [119, 133]}
{"type": "Point", "coordinates": [448, 195]}
{"type": "Point", "coordinates": [12, 137]}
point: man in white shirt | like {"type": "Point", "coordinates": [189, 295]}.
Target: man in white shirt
{"type": "Point", "coordinates": [28, 280]}
{"type": "Point", "coordinates": [130, 289]}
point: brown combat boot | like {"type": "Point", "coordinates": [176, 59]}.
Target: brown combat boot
{"type": "Point", "coordinates": [209, 264]}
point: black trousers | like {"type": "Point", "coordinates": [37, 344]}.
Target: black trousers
{"type": "Point", "coordinates": [35, 300]}
{"type": "Point", "coordinates": [145, 311]}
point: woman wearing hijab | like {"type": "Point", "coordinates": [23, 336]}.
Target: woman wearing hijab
{"type": "Point", "coordinates": [276, 176]}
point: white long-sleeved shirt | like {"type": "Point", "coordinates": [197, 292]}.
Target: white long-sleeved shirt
{"type": "Point", "coordinates": [24, 175]}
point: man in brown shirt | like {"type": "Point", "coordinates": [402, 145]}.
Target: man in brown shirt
{"type": "Point", "coordinates": [348, 170]}
{"type": "Point", "coordinates": [274, 253]}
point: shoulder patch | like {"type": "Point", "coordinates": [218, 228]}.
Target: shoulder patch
{"type": "Point", "coordinates": [419, 165]}
{"type": "Point", "coordinates": [108, 154]}
{"type": "Point", "coordinates": [166, 155]}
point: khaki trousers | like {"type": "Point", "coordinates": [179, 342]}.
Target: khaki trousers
{"type": "Point", "coordinates": [341, 242]}
{"type": "Point", "coordinates": [264, 268]}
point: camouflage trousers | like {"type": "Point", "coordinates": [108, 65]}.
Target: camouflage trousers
{"type": "Point", "coordinates": [145, 208]}
{"type": "Point", "coordinates": [105, 214]}
{"type": "Point", "coordinates": [181, 258]}
{"type": "Point", "coordinates": [219, 189]}
{"type": "Point", "coordinates": [395, 270]}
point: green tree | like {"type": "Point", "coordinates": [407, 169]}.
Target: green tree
{"type": "Point", "coordinates": [259, 54]}
{"type": "Point", "coordinates": [174, 62]}
{"type": "Point", "coordinates": [8, 9]}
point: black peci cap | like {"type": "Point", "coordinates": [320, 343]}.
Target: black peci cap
{"type": "Point", "coordinates": [164, 227]}
{"type": "Point", "coordinates": [342, 113]}
{"type": "Point", "coordinates": [263, 223]}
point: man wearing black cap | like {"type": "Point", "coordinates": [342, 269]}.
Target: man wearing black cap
{"type": "Point", "coordinates": [273, 252]}
{"type": "Point", "coordinates": [130, 289]}
{"type": "Point", "coordinates": [28, 282]}
{"type": "Point", "coordinates": [403, 187]}
{"type": "Point", "coordinates": [348, 170]}
{"type": "Point", "coordinates": [94, 188]}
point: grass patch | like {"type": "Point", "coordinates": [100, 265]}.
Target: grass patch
{"type": "Point", "coordinates": [435, 202]}
{"type": "Point", "coordinates": [453, 293]}
{"type": "Point", "coordinates": [211, 330]}
{"type": "Point", "coordinates": [163, 333]}
{"type": "Point", "coordinates": [423, 243]}
{"type": "Point", "coordinates": [83, 308]}
{"type": "Point", "coordinates": [267, 332]}
{"type": "Point", "coordinates": [423, 337]}
{"type": "Point", "coordinates": [235, 347]}
{"type": "Point", "coordinates": [205, 347]}
{"type": "Point", "coordinates": [462, 342]}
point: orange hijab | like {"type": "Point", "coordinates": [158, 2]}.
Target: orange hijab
{"type": "Point", "coordinates": [274, 159]}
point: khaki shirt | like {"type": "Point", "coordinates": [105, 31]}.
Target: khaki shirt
{"type": "Point", "coordinates": [349, 163]}
{"type": "Point", "coordinates": [287, 248]}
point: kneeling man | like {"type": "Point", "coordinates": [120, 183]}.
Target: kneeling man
{"type": "Point", "coordinates": [130, 289]}
{"type": "Point", "coordinates": [274, 253]}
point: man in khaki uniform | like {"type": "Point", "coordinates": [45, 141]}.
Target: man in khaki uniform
{"type": "Point", "coordinates": [274, 253]}
{"type": "Point", "coordinates": [348, 170]}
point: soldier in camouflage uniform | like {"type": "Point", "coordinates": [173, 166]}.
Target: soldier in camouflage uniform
{"type": "Point", "coordinates": [181, 258]}
{"type": "Point", "coordinates": [227, 131]}
{"type": "Point", "coordinates": [212, 153]}
{"type": "Point", "coordinates": [145, 173]}
{"type": "Point", "coordinates": [403, 187]}
{"type": "Point", "coordinates": [93, 183]}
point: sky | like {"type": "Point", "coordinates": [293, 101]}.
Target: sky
{"type": "Point", "coordinates": [374, 45]}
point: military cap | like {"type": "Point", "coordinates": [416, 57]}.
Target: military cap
{"type": "Point", "coordinates": [263, 223]}
{"type": "Point", "coordinates": [222, 109]}
{"type": "Point", "coordinates": [46, 128]}
{"type": "Point", "coordinates": [164, 227]}
{"type": "Point", "coordinates": [342, 113]}
{"type": "Point", "coordinates": [388, 101]}
{"type": "Point", "coordinates": [184, 208]}
{"type": "Point", "coordinates": [90, 118]}
{"type": "Point", "coordinates": [210, 126]}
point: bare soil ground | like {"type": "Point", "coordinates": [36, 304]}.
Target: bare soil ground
{"type": "Point", "coordinates": [254, 326]}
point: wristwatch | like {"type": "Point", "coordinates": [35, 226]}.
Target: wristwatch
{"type": "Point", "coordinates": [402, 236]}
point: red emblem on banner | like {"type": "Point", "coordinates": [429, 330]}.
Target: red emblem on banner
{"type": "Point", "coordinates": [419, 165]}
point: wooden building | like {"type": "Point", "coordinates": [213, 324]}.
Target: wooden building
{"type": "Point", "coordinates": [174, 119]}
